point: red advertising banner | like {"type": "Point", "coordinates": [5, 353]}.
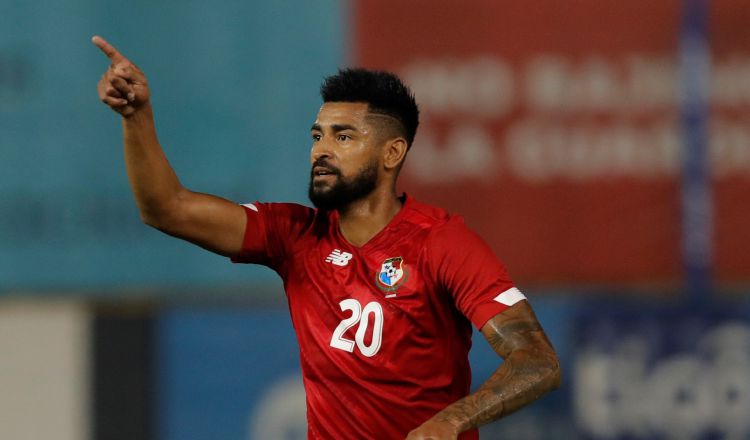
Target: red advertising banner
{"type": "Point", "coordinates": [554, 128]}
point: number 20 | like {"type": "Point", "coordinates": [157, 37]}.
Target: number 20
{"type": "Point", "coordinates": [363, 317]}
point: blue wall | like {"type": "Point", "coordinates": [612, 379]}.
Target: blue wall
{"type": "Point", "coordinates": [234, 89]}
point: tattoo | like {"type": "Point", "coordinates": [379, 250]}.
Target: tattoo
{"type": "Point", "coordinates": [530, 369]}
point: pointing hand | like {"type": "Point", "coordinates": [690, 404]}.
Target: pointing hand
{"type": "Point", "coordinates": [123, 87]}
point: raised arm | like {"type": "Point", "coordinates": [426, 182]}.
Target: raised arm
{"type": "Point", "coordinates": [530, 369]}
{"type": "Point", "coordinates": [208, 221]}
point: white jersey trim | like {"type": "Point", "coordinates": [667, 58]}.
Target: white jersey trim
{"type": "Point", "coordinates": [510, 297]}
{"type": "Point", "coordinates": [250, 206]}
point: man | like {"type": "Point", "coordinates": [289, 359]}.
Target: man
{"type": "Point", "coordinates": [382, 289]}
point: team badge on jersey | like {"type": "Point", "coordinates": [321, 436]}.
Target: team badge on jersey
{"type": "Point", "coordinates": [393, 274]}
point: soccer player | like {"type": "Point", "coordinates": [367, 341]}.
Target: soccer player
{"type": "Point", "coordinates": [382, 289]}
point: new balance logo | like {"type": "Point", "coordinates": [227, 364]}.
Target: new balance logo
{"type": "Point", "coordinates": [339, 258]}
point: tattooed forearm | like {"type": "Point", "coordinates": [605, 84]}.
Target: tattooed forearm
{"type": "Point", "coordinates": [531, 369]}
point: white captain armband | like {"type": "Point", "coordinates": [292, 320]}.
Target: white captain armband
{"type": "Point", "coordinates": [250, 206]}
{"type": "Point", "coordinates": [510, 297]}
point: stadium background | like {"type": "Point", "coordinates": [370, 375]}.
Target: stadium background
{"type": "Point", "coordinates": [601, 147]}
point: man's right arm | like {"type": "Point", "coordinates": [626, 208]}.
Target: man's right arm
{"type": "Point", "coordinates": [211, 222]}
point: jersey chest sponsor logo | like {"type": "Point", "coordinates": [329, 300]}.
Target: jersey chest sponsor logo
{"type": "Point", "coordinates": [393, 274]}
{"type": "Point", "coordinates": [339, 257]}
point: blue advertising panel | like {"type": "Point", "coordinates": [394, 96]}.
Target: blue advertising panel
{"type": "Point", "coordinates": [645, 372]}
{"type": "Point", "coordinates": [234, 87]}
{"type": "Point", "coordinates": [228, 374]}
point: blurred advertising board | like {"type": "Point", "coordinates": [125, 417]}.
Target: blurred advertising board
{"type": "Point", "coordinates": [228, 373]}
{"type": "Point", "coordinates": [555, 129]}
{"type": "Point", "coordinates": [647, 371]}
{"type": "Point", "coordinates": [631, 371]}
{"type": "Point", "coordinates": [234, 374]}
{"type": "Point", "coordinates": [661, 373]}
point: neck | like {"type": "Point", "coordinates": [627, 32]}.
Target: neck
{"type": "Point", "coordinates": [363, 219]}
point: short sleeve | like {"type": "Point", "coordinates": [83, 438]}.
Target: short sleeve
{"type": "Point", "coordinates": [470, 272]}
{"type": "Point", "coordinates": [271, 230]}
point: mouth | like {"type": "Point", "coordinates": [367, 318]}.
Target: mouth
{"type": "Point", "coordinates": [319, 172]}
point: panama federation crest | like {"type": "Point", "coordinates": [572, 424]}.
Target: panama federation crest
{"type": "Point", "coordinates": [393, 274]}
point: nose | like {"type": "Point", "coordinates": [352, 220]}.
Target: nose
{"type": "Point", "coordinates": [320, 150]}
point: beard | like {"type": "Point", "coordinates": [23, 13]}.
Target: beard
{"type": "Point", "coordinates": [343, 191]}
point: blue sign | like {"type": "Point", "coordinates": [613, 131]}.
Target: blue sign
{"type": "Point", "coordinates": [228, 374]}
{"type": "Point", "coordinates": [641, 372]}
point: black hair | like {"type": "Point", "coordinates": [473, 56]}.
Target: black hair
{"type": "Point", "coordinates": [383, 92]}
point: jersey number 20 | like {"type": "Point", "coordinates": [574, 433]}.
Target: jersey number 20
{"type": "Point", "coordinates": [362, 316]}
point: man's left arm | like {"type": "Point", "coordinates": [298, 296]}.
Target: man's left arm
{"type": "Point", "coordinates": [530, 369]}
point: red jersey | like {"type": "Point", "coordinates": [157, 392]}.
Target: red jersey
{"type": "Point", "coordinates": [384, 329]}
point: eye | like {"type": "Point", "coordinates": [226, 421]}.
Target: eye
{"type": "Point", "coordinates": [343, 137]}
{"type": "Point", "coordinates": [316, 137]}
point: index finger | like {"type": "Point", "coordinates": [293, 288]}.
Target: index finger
{"type": "Point", "coordinates": [109, 50]}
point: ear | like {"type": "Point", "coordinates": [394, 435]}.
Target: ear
{"type": "Point", "coordinates": [394, 153]}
